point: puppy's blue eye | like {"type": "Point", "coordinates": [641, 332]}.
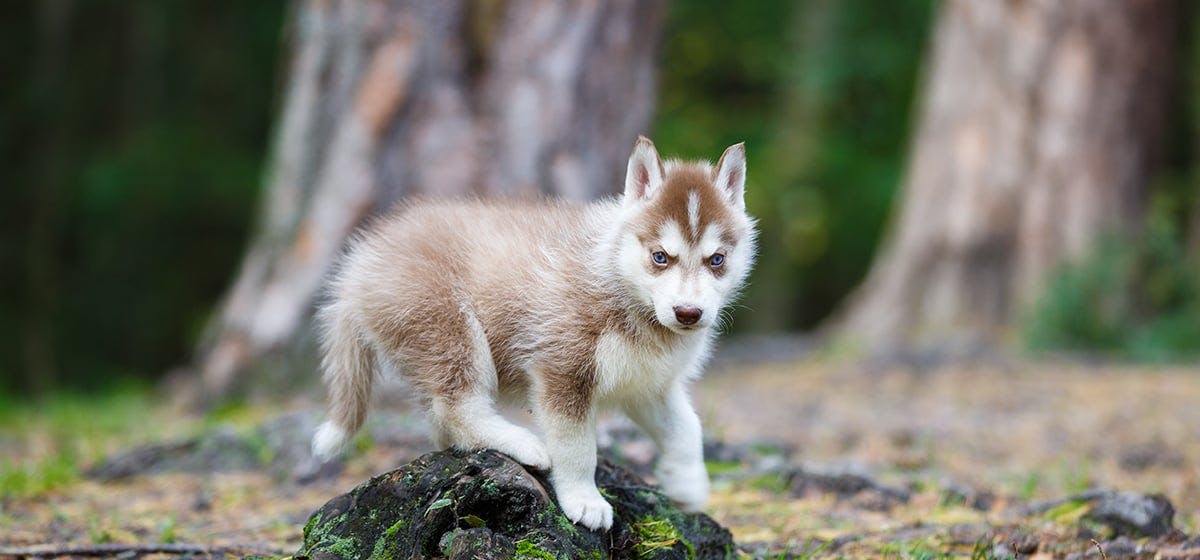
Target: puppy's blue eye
{"type": "Point", "coordinates": [716, 260]}
{"type": "Point", "coordinates": [659, 257]}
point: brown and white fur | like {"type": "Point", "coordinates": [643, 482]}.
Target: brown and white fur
{"type": "Point", "coordinates": [555, 306]}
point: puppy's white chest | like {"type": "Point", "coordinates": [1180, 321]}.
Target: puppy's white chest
{"type": "Point", "coordinates": [625, 368]}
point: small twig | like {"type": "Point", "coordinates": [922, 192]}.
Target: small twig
{"type": "Point", "coordinates": [112, 549]}
{"type": "Point", "coordinates": [1101, 549]}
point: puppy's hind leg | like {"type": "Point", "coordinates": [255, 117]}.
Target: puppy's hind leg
{"type": "Point", "coordinates": [472, 422]}
{"type": "Point", "coordinates": [463, 404]}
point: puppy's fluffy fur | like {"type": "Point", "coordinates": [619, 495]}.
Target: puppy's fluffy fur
{"type": "Point", "coordinates": [563, 308]}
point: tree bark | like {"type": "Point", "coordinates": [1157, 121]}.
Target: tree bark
{"type": "Point", "coordinates": [393, 98]}
{"type": "Point", "coordinates": [1040, 125]}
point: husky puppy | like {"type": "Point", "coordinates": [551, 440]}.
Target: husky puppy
{"type": "Point", "coordinates": [563, 308]}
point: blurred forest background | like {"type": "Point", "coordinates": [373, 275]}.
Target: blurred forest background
{"type": "Point", "coordinates": [137, 139]}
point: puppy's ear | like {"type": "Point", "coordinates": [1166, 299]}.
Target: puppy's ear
{"type": "Point", "coordinates": [644, 177]}
{"type": "Point", "coordinates": [731, 174]}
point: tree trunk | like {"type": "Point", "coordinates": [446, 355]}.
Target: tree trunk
{"type": "Point", "coordinates": [1040, 125]}
{"type": "Point", "coordinates": [393, 98]}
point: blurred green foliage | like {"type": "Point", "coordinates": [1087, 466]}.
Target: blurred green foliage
{"type": "Point", "coordinates": [822, 93]}
{"type": "Point", "coordinates": [133, 136]}
{"type": "Point", "coordinates": [1130, 299]}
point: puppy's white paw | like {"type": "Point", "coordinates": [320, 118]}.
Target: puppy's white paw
{"type": "Point", "coordinates": [523, 447]}
{"type": "Point", "coordinates": [588, 508]}
{"type": "Point", "coordinates": [685, 483]}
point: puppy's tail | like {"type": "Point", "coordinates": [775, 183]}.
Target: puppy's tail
{"type": "Point", "coordinates": [349, 366]}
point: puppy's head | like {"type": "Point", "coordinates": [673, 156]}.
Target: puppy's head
{"type": "Point", "coordinates": [686, 244]}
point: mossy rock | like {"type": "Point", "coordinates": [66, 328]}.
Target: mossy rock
{"type": "Point", "coordinates": [482, 504]}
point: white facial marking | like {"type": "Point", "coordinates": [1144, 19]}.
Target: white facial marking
{"type": "Point", "coordinates": [694, 212]}
{"type": "Point", "coordinates": [671, 239]}
{"type": "Point", "coordinates": [710, 242]}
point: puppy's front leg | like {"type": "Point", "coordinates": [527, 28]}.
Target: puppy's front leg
{"type": "Point", "coordinates": [674, 426]}
{"type": "Point", "coordinates": [571, 441]}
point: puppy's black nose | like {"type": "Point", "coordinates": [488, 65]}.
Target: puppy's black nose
{"type": "Point", "coordinates": [687, 315]}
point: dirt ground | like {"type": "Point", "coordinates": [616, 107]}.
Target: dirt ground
{"type": "Point", "coordinates": [1038, 430]}
{"type": "Point", "coordinates": [1023, 432]}
{"type": "Point", "coordinates": [1014, 432]}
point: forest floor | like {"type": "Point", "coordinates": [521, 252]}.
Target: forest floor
{"type": "Point", "coordinates": [810, 458]}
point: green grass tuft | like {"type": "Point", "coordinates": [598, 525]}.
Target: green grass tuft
{"type": "Point", "coordinates": [1069, 512]}
{"type": "Point", "coordinates": [34, 478]}
{"type": "Point", "coordinates": [771, 482]}
{"type": "Point", "coordinates": [719, 468]}
{"type": "Point", "coordinates": [166, 533]}
{"type": "Point", "coordinates": [810, 550]}
{"type": "Point", "coordinates": [911, 550]}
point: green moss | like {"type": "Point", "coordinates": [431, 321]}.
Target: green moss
{"type": "Point", "coordinates": [447, 541]}
{"type": "Point", "coordinates": [552, 516]}
{"type": "Point", "coordinates": [649, 497]}
{"type": "Point", "coordinates": [489, 486]}
{"type": "Point", "coordinates": [345, 547]}
{"type": "Point", "coordinates": [382, 551]}
{"type": "Point", "coordinates": [565, 524]}
{"type": "Point", "coordinates": [658, 534]}
{"type": "Point", "coordinates": [312, 523]}
{"type": "Point", "coordinates": [317, 534]}
{"type": "Point", "coordinates": [547, 535]}
{"type": "Point", "coordinates": [395, 528]}
{"type": "Point", "coordinates": [527, 549]}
